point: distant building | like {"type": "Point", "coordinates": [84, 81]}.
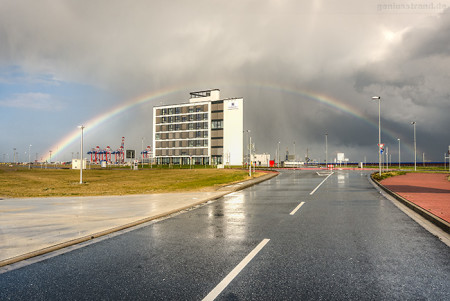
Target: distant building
{"type": "Point", "coordinates": [206, 130]}
{"type": "Point", "coordinates": [262, 160]}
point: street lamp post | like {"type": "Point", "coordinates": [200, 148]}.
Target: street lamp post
{"type": "Point", "coordinates": [278, 154]}
{"type": "Point", "coordinates": [248, 150]}
{"type": "Point", "coordinates": [250, 157]}
{"type": "Point", "coordinates": [379, 131]}
{"type": "Point", "coordinates": [29, 156]}
{"type": "Point", "coordinates": [398, 153]}
{"type": "Point", "coordinates": [326, 150]}
{"type": "Point", "coordinates": [387, 159]}
{"type": "Point", "coordinates": [142, 148]}
{"type": "Point", "coordinates": [81, 154]}
{"type": "Point", "coordinates": [415, 149]}
{"type": "Point", "coordinates": [294, 151]}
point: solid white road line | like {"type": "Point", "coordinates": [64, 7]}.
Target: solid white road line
{"type": "Point", "coordinates": [224, 283]}
{"type": "Point", "coordinates": [296, 208]}
{"type": "Point", "coordinates": [312, 192]}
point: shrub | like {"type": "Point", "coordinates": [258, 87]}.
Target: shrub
{"type": "Point", "coordinates": [384, 175]}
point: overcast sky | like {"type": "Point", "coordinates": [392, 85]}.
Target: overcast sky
{"type": "Point", "coordinates": [64, 63]}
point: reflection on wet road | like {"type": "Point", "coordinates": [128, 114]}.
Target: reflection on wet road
{"type": "Point", "coordinates": [345, 242]}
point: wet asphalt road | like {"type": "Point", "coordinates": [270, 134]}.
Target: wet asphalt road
{"type": "Point", "coordinates": [345, 242]}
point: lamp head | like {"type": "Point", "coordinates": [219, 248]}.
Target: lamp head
{"type": "Point", "coordinates": [376, 97]}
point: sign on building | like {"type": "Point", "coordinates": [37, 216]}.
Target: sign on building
{"type": "Point", "coordinates": [233, 105]}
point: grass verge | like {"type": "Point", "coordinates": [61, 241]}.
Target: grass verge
{"type": "Point", "coordinates": [21, 182]}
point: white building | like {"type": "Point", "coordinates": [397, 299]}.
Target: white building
{"type": "Point", "coordinates": [206, 130]}
{"type": "Point", "coordinates": [261, 159]}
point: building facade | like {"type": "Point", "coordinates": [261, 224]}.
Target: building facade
{"type": "Point", "coordinates": [261, 160]}
{"type": "Point", "coordinates": [206, 130]}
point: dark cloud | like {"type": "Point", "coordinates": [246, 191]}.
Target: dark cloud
{"type": "Point", "coordinates": [265, 52]}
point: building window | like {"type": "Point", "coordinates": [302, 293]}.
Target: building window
{"type": "Point", "coordinates": [177, 127]}
{"type": "Point", "coordinates": [183, 119]}
{"type": "Point", "coordinates": [191, 126]}
{"type": "Point", "coordinates": [191, 143]}
{"type": "Point", "coordinates": [157, 136]}
{"type": "Point", "coordinates": [198, 126]}
{"type": "Point", "coordinates": [205, 142]}
{"type": "Point", "coordinates": [191, 110]}
{"type": "Point", "coordinates": [198, 134]}
{"type": "Point", "coordinates": [205, 116]}
{"type": "Point", "coordinates": [198, 109]}
{"type": "Point", "coordinates": [177, 110]}
{"type": "Point", "coordinates": [205, 134]}
{"type": "Point", "coordinates": [163, 120]}
{"type": "Point", "coordinates": [217, 159]}
{"type": "Point", "coordinates": [177, 119]}
{"type": "Point", "coordinates": [164, 111]}
{"type": "Point", "coordinates": [217, 124]}
{"type": "Point", "coordinates": [191, 117]}
{"type": "Point", "coordinates": [170, 127]}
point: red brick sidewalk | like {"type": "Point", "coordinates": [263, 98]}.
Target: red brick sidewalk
{"type": "Point", "coordinates": [427, 190]}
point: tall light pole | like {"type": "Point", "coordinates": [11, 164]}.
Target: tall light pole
{"type": "Point", "coordinates": [250, 157]}
{"type": "Point", "coordinates": [415, 149]}
{"type": "Point", "coordinates": [278, 154]}
{"type": "Point", "coordinates": [142, 148]}
{"type": "Point", "coordinates": [387, 158]}
{"type": "Point", "coordinates": [14, 156]}
{"type": "Point", "coordinates": [248, 134]}
{"type": "Point", "coordinates": [81, 154]}
{"type": "Point", "coordinates": [326, 150]}
{"type": "Point", "coordinates": [398, 153]}
{"type": "Point", "coordinates": [294, 151]}
{"type": "Point", "coordinates": [29, 156]}
{"type": "Point", "coordinates": [379, 130]}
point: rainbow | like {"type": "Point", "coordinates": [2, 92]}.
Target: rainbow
{"type": "Point", "coordinates": [333, 103]}
{"type": "Point", "coordinates": [95, 122]}
{"type": "Point", "coordinates": [304, 94]}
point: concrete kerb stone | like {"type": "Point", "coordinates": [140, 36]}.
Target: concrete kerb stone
{"type": "Point", "coordinates": [444, 225]}
{"type": "Point", "coordinates": [233, 188]}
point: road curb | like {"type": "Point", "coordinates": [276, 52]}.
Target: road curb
{"type": "Point", "coordinates": [86, 238]}
{"type": "Point", "coordinates": [436, 220]}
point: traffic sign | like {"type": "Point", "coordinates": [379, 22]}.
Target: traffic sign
{"type": "Point", "coordinates": [381, 145]}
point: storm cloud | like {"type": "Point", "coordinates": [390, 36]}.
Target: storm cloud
{"type": "Point", "coordinates": [88, 57]}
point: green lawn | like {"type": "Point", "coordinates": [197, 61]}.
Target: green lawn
{"type": "Point", "coordinates": [37, 182]}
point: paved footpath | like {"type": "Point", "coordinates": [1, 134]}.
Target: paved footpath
{"type": "Point", "coordinates": [430, 191]}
